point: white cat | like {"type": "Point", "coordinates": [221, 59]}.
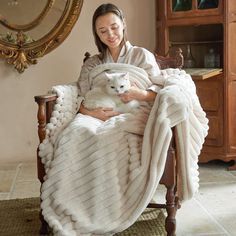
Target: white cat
{"type": "Point", "coordinates": [107, 96]}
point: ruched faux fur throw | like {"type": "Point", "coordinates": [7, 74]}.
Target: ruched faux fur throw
{"type": "Point", "coordinates": [100, 176]}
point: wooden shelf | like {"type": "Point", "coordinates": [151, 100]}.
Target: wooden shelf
{"type": "Point", "coordinates": [195, 42]}
{"type": "Point", "coordinates": [203, 73]}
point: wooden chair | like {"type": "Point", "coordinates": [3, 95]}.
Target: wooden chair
{"type": "Point", "coordinates": [169, 178]}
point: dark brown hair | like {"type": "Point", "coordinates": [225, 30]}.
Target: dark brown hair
{"type": "Point", "coordinates": [100, 11]}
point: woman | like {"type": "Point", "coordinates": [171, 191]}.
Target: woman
{"type": "Point", "coordinates": [102, 167]}
{"type": "Point", "coordinates": [97, 182]}
{"type": "Point", "coordinates": [109, 30]}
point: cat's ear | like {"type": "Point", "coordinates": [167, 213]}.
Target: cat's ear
{"type": "Point", "coordinates": [108, 76]}
{"type": "Point", "coordinates": [126, 75]}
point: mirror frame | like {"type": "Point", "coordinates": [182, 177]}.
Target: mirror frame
{"type": "Point", "coordinates": [22, 54]}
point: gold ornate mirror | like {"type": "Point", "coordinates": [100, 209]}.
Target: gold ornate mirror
{"type": "Point", "coordinates": [30, 29]}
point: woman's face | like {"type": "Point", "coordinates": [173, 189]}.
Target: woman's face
{"type": "Point", "coordinates": [110, 30]}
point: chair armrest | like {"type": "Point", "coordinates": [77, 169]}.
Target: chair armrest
{"type": "Point", "coordinates": [45, 108]}
{"type": "Point", "coordinates": [46, 98]}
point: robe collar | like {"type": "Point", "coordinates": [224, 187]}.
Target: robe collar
{"type": "Point", "coordinates": [127, 45]}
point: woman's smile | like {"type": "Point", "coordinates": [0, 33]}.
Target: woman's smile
{"type": "Point", "coordinates": [113, 41]}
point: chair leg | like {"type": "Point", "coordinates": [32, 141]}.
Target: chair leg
{"type": "Point", "coordinates": [44, 229]}
{"type": "Point", "coordinates": [171, 208]}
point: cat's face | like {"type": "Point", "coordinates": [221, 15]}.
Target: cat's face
{"type": "Point", "coordinates": [117, 83]}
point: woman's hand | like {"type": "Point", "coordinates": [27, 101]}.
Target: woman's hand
{"type": "Point", "coordinates": [103, 113]}
{"type": "Point", "coordinates": [135, 93]}
{"type": "Point", "coordinates": [99, 113]}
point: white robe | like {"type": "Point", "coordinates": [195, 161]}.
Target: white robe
{"type": "Point", "coordinates": [136, 56]}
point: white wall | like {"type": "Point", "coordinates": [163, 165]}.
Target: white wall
{"type": "Point", "coordinates": [18, 123]}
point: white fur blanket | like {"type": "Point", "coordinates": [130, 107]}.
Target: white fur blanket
{"type": "Point", "coordinates": [100, 176]}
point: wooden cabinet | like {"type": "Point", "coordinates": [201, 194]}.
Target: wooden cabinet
{"type": "Point", "coordinates": [199, 27]}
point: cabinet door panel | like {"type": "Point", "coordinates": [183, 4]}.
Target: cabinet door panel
{"type": "Point", "coordinates": [209, 99]}
{"type": "Point", "coordinates": [232, 116]}
{"type": "Point", "coordinates": [232, 47]}
{"type": "Point", "coordinates": [215, 134]}
{"type": "Point", "coordinates": [210, 93]}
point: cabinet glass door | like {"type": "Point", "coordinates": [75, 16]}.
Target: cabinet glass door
{"type": "Point", "coordinates": [193, 8]}
{"type": "Point", "coordinates": [181, 5]}
{"type": "Point", "coordinates": [207, 4]}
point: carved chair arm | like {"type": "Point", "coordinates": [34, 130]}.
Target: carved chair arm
{"type": "Point", "coordinates": [45, 108]}
{"type": "Point", "coordinates": [174, 61]}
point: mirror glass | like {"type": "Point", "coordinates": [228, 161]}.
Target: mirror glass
{"type": "Point", "coordinates": [31, 28]}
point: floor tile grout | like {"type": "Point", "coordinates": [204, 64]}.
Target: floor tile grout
{"type": "Point", "coordinates": [212, 217]}
{"type": "Point", "coordinates": [29, 181]}
{"type": "Point", "coordinates": [18, 168]}
{"type": "Point", "coordinates": [219, 182]}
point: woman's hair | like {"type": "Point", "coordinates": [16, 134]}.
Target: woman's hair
{"type": "Point", "coordinates": [100, 11]}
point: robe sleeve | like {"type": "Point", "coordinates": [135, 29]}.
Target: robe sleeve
{"type": "Point", "coordinates": [149, 64]}
{"type": "Point", "coordinates": [83, 83]}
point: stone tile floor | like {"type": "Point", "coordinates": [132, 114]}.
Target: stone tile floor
{"type": "Point", "coordinates": [211, 212]}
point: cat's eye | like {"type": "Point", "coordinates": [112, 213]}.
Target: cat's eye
{"type": "Point", "coordinates": [122, 86]}
{"type": "Point", "coordinates": [112, 87]}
